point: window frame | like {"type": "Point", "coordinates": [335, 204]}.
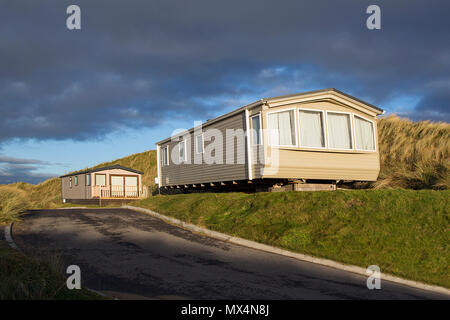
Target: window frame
{"type": "Point", "coordinates": [88, 177]}
{"type": "Point", "coordinates": [295, 125]}
{"type": "Point", "coordinates": [75, 181]}
{"type": "Point", "coordinates": [70, 182]}
{"type": "Point", "coordinates": [185, 151]}
{"type": "Point", "coordinates": [196, 144]}
{"type": "Point", "coordinates": [100, 174]}
{"type": "Point", "coordinates": [374, 136]}
{"type": "Point", "coordinates": [260, 129]}
{"type": "Point", "coordinates": [165, 149]}
{"type": "Point", "coordinates": [324, 129]}
{"type": "Point", "coordinates": [352, 132]}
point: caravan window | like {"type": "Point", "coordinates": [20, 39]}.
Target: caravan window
{"type": "Point", "coordinates": [311, 129]}
{"type": "Point", "coordinates": [182, 150]}
{"type": "Point", "coordinates": [281, 127]}
{"type": "Point", "coordinates": [364, 134]}
{"type": "Point", "coordinates": [100, 179]}
{"type": "Point", "coordinates": [199, 143]}
{"type": "Point", "coordinates": [256, 130]}
{"type": "Point", "coordinates": [339, 131]}
{"type": "Point", "coordinates": [165, 156]}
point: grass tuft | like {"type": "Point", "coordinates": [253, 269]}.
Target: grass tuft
{"type": "Point", "coordinates": [13, 202]}
{"type": "Point", "coordinates": [34, 278]}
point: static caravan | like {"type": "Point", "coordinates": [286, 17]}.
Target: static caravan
{"type": "Point", "coordinates": [112, 182]}
{"type": "Point", "coordinates": [318, 136]}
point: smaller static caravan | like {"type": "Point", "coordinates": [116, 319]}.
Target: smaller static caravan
{"type": "Point", "coordinates": [319, 137]}
{"type": "Point", "coordinates": [110, 183]}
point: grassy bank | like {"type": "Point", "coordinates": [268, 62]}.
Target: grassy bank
{"type": "Point", "coordinates": [26, 278]}
{"type": "Point", "coordinates": [405, 232]}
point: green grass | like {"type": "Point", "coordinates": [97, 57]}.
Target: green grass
{"type": "Point", "coordinates": [405, 232]}
{"type": "Point", "coordinates": [31, 278]}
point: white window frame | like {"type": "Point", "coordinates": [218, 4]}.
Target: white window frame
{"type": "Point", "coordinates": [351, 131]}
{"type": "Point", "coordinates": [295, 125]}
{"type": "Point", "coordinates": [374, 133]}
{"type": "Point", "coordinates": [196, 144]}
{"type": "Point", "coordinates": [260, 129]}
{"type": "Point", "coordinates": [167, 156]}
{"type": "Point", "coordinates": [324, 129]}
{"type": "Point", "coordinates": [183, 141]}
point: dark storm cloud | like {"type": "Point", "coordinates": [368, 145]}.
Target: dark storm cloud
{"type": "Point", "coordinates": [17, 169]}
{"type": "Point", "coordinates": [137, 63]}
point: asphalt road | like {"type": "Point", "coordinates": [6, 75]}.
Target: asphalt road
{"type": "Point", "coordinates": [130, 255]}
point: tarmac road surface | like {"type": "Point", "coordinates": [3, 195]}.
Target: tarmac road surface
{"type": "Point", "coordinates": [131, 255]}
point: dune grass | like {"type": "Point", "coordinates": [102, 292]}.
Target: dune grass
{"type": "Point", "coordinates": [13, 202]}
{"type": "Point", "coordinates": [413, 155]}
{"type": "Point", "coordinates": [405, 232]}
{"type": "Point", "coordinates": [35, 278]}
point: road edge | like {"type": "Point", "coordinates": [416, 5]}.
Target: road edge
{"type": "Point", "coordinates": [286, 253]}
{"type": "Point", "coordinates": [9, 239]}
{"type": "Point", "coordinates": [8, 236]}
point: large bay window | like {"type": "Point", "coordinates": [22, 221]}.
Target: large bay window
{"type": "Point", "coordinates": [364, 134]}
{"type": "Point", "coordinates": [339, 131]}
{"type": "Point", "coordinates": [282, 128]}
{"type": "Point", "coordinates": [311, 129]}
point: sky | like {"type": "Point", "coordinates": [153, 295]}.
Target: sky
{"type": "Point", "coordinates": [138, 70]}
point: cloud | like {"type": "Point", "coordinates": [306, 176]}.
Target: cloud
{"type": "Point", "coordinates": [435, 105]}
{"type": "Point", "coordinates": [18, 169]}
{"type": "Point", "coordinates": [11, 160]}
{"type": "Point", "coordinates": [138, 64]}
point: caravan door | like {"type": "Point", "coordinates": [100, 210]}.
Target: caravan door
{"type": "Point", "coordinates": [117, 186]}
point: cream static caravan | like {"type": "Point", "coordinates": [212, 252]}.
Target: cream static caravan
{"type": "Point", "coordinates": [323, 135]}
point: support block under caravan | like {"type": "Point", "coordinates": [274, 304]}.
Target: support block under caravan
{"type": "Point", "coordinates": [303, 187]}
{"type": "Point", "coordinates": [314, 187]}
